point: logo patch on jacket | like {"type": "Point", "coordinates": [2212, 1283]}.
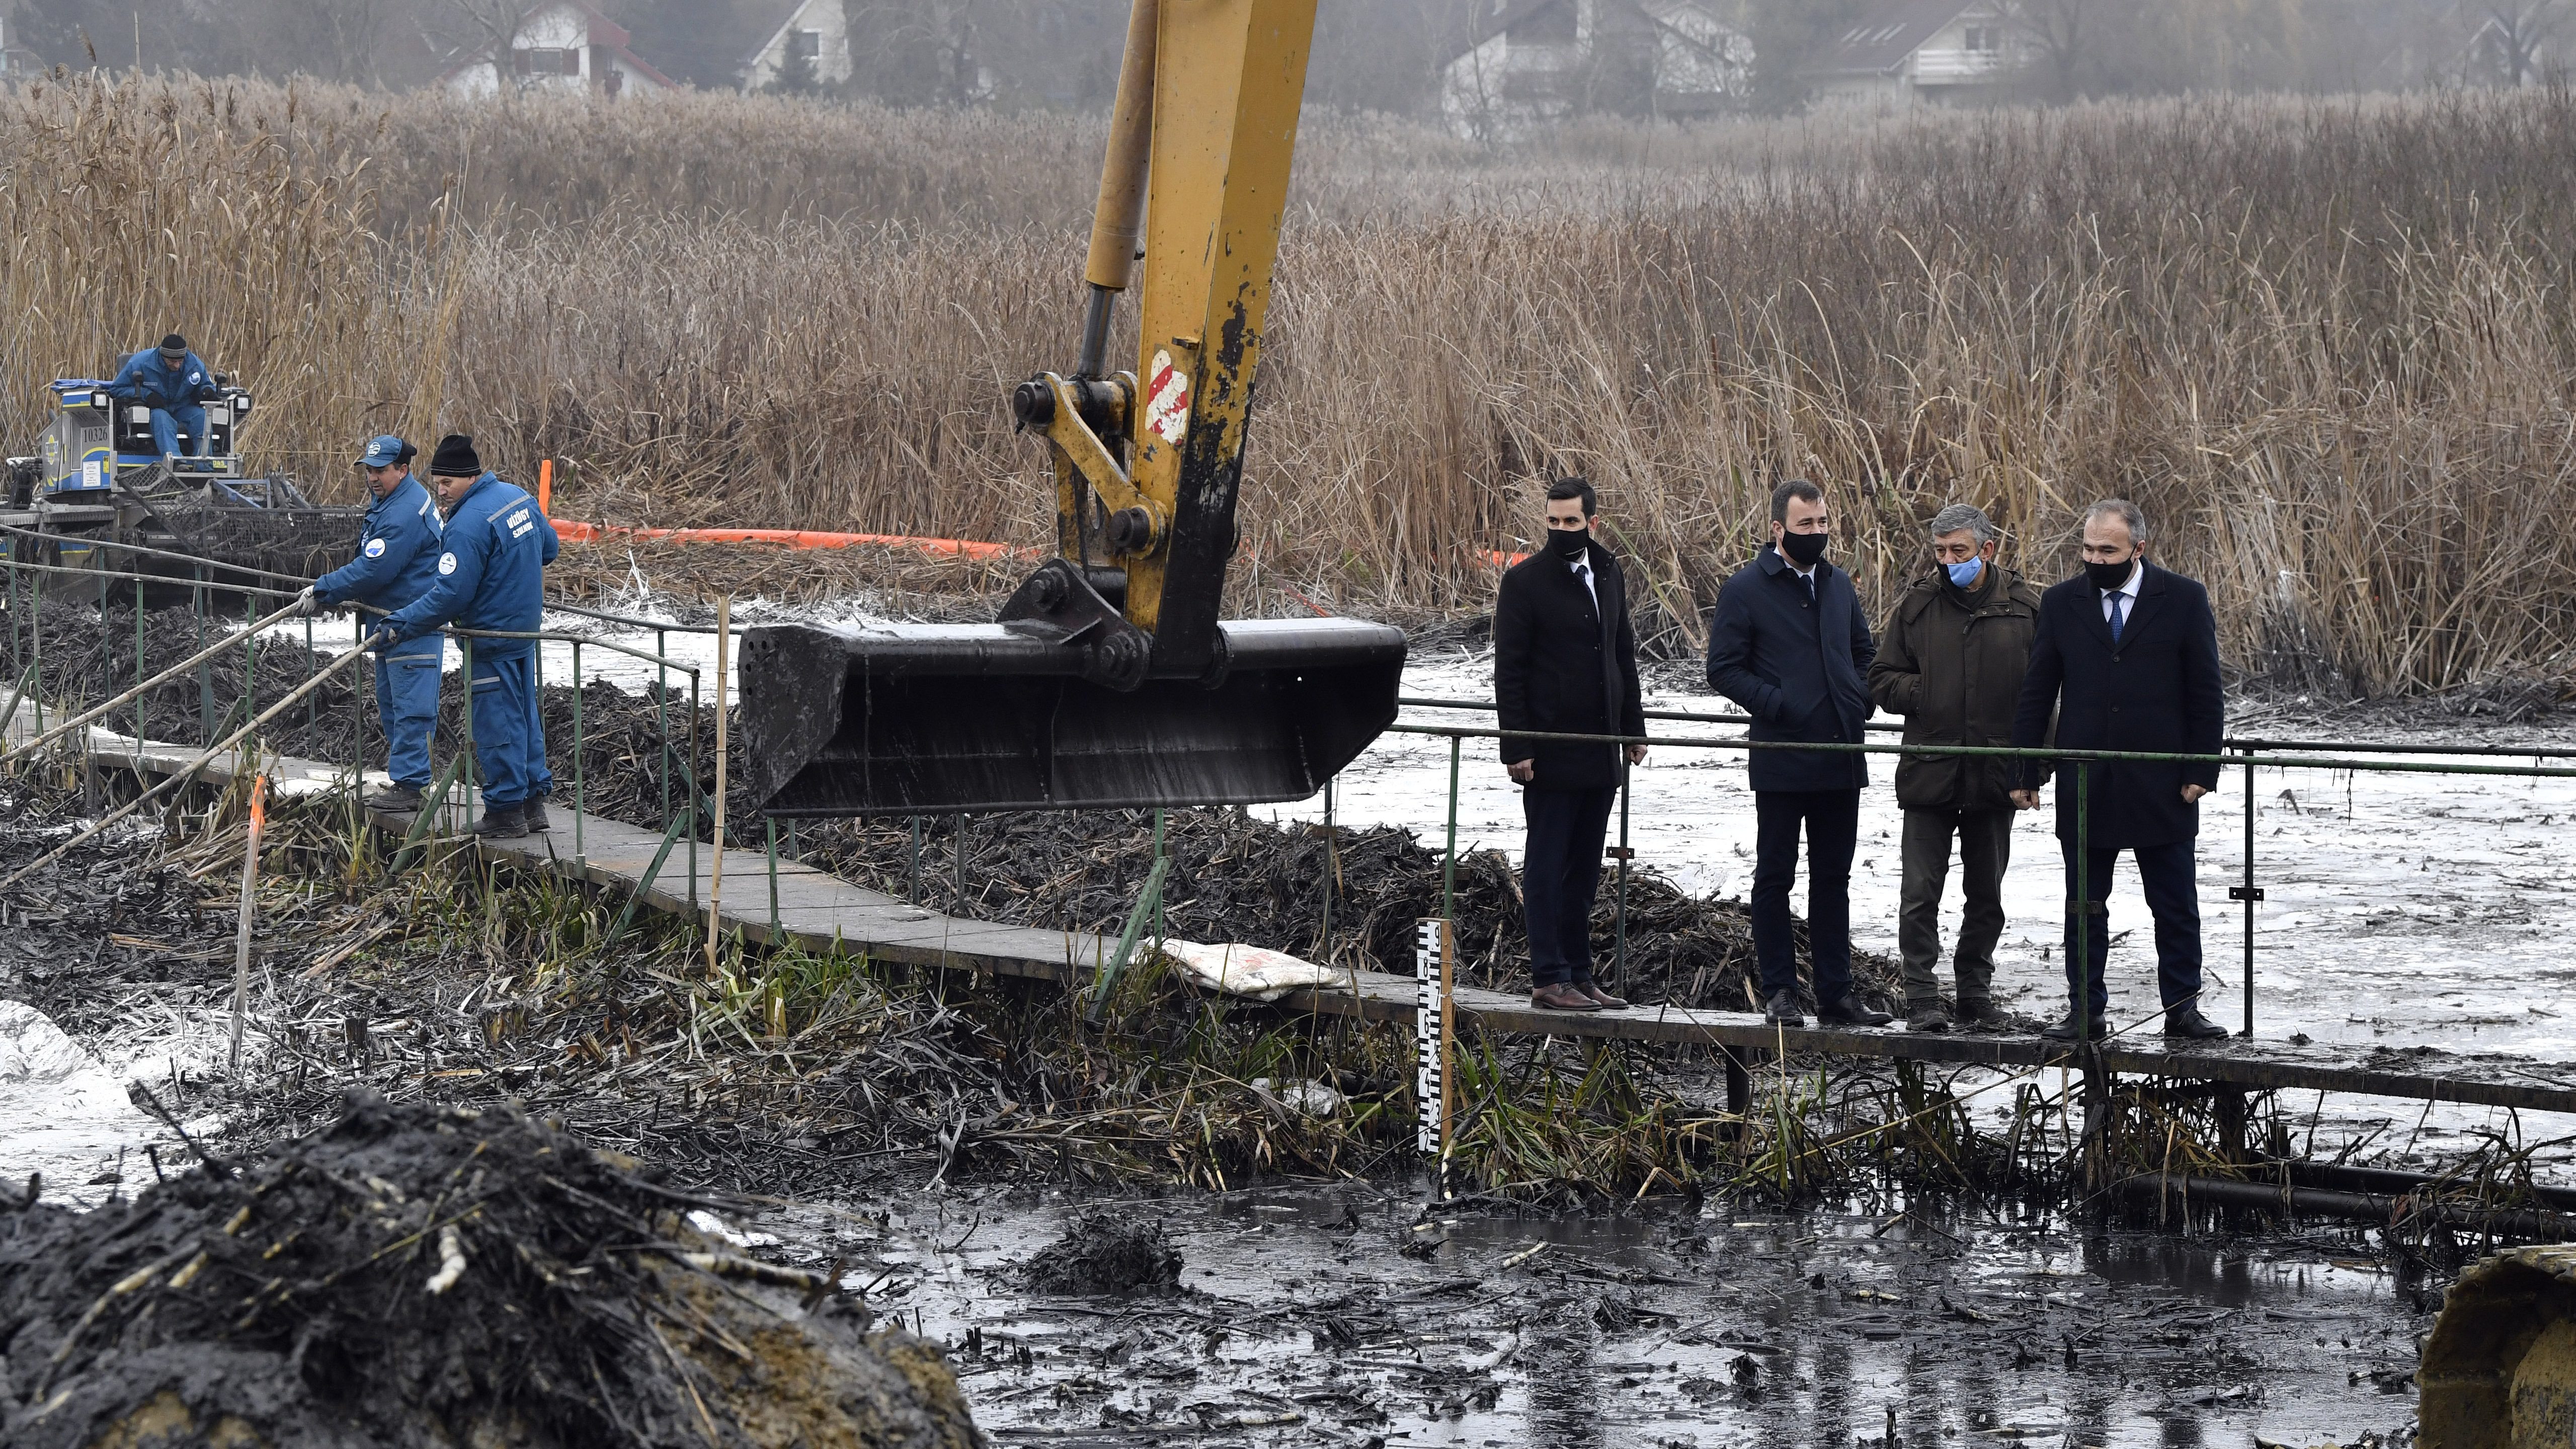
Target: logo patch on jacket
{"type": "Point", "coordinates": [447, 563]}
{"type": "Point", "coordinates": [375, 548]}
{"type": "Point", "coordinates": [518, 524]}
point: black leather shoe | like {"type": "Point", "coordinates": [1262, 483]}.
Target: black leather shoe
{"type": "Point", "coordinates": [1977, 1015]}
{"type": "Point", "coordinates": [1928, 1017]}
{"type": "Point", "coordinates": [1850, 1011]}
{"type": "Point", "coordinates": [397, 799]}
{"type": "Point", "coordinates": [501, 823]}
{"type": "Point", "coordinates": [1783, 1009]}
{"type": "Point", "coordinates": [2067, 1030]}
{"type": "Point", "coordinates": [532, 813]}
{"type": "Point", "coordinates": [2186, 1021]}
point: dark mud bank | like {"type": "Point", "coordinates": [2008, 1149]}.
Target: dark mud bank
{"type": "Point", "coordinates": [421, 1276]}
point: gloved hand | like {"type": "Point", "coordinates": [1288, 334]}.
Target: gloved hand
{"type": "Point", "coordinates": [308, 603]}
{"type": "Point", "coordinates": [381, 640]}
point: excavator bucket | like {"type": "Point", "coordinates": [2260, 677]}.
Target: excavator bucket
{"type": "Point", "coordinates": [923, 719]}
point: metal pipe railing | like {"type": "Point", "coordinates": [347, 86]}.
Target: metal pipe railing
{"type": "Point", "coordinates": [2080, 903]}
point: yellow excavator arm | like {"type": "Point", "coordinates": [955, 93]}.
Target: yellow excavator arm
{"type": "Point", "coordinates": [1110, 678]}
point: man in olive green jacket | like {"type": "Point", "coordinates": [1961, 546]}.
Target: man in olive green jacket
{"type": "Point", "coordinates": [1951, 661]}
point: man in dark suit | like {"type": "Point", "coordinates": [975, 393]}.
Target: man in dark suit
{"type": "Point", "coordinates": [1788, 644]}
{"type": "Point", "coordinates": [2127, 658]}
{"type": "Point", "coordinates": [1565, 662]}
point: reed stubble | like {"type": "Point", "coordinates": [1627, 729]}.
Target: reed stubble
{"type": "Point", "coordinates": [2325, 343]}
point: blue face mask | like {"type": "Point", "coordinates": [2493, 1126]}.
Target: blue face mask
{"type": "Point", "coordinates": [1964, 574]}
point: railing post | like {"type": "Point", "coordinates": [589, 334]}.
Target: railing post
{"type": "Point", "coordinates": [310, 718]}
{"type": "Point", "coordinates": [579, 856]}
{"type": "Point", "coordinates": [140, 674]}
{"type": "Point", "coordinates": [1332, 877]}
{"type": "Point", "coordinates": [662, 708]}
{"type": "Point", "coordinates": [250, 665]}
{"type": "Point", "coordinates": [468, 774]}
{"type": "Point", "coordinates": [772, 823]}
{"type": "Point", "coordinates": [694, 791]}
{"type": "Point", "coordinates": [912, 880]}
{"type": "Point", "coordinates": [205, 671]}
{"type": "Point", "coordinates": [1449, 863]}
{"type": "Point", "coordinates": [2083, 900]}
{"type": "Point", "coordinates": [1619, 907]}
{"type": "Point", "coordinates": [2249, 893]}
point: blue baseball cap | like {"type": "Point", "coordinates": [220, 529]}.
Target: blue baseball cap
{"type": "Point", "coordinates": [383, 452]}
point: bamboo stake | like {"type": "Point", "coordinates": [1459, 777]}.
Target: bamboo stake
{"type": "Point", "coordinates": [249, 907]}
{"type": "Point", "coordinates": [715, 871]}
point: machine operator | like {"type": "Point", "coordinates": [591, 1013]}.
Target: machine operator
{"type": "Point", "coordinates": [174, 383]}
{"type": "Point", "coordinates": [398, 550]}
{"type": "Point", "coordinates": [490, 575]}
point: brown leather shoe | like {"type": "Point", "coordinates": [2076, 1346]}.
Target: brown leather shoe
{"type": "Point", "coordinates": [1559, 997]}
{"type": "Point", "coordinates": [1592, 992]}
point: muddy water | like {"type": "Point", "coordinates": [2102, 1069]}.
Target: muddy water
{"type": "Point", "coordinates": [1327, 1316]}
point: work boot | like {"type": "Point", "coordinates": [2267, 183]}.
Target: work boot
{"type": "Point", "coordinates": [533, 812]}
{"type": "Point", "coordinates": [1557, 996]}
{"type": "Point", "coordinates": [2187, 1022]}
{"type": "Point", "coordinates": [396, 799]}
{"type": "Point", "coordinates": [1926, 1016]}
{"type": "Point", "coordinates": [1600, 998]}
{"type": "Point", "coordinates": [2068, 1029]}
{"type": "Point", "coordinates": [1978, 1014]}
{"type": "Point", "coordinates": [500, 822]}
{"type": "Point", "coordinates": [1783, 1009]}
{"type": "Point", "coordinates": [1850, 1011]}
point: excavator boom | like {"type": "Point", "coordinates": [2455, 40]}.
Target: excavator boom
{"type": "Point", "coordinates": [1110, 679]}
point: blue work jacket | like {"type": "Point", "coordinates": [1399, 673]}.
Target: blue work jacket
{"type": "Point", "coordinates": [1798, 666]}
{"type": "Point", "coordinates": [145, 379]}
{"type": "Point", "coordinates": [490, 575]}
{"type": "Point", "coordinates": [397, 552]}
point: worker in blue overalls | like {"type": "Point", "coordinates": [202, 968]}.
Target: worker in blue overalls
{"type": "Point", "coordinates": [490, 575]}
{"type": "Point", "coordinates": [173, 382]}
{"type": "Point", "coordinates": [398, 548]}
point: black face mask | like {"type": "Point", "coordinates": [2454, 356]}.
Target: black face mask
{"type": "Point", "coordinates": [1569, 543]}
{"type": "Point", "coordinates": [2109, 576]}
{"type": "Point", "coordinates": [1803, 549]}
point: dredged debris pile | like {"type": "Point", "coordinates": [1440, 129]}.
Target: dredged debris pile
{"type": "Point", "coordinates": [420, 1276]}
{"type": "Point", "coordinates": [1236, 878]}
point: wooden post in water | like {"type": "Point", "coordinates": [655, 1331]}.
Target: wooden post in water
{"type": "Point", "coordinates": [249, 903]}
{"type": "Point", "coordinates": [715, 871]}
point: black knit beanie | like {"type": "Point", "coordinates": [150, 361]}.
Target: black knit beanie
{"type": "Point", "coordinates": [174, 343]}
{"type": "Point", "coordinates": [455, 458]}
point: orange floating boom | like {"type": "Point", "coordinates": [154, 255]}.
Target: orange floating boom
{"type": "Point", "coordinates": [571, 531]}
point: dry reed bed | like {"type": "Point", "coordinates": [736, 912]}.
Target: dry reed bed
{"type": "Point", "coordinates": [2327, 343]}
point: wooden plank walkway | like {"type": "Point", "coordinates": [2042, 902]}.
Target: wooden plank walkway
{"type": "Point", "coordinates": [820, 912]}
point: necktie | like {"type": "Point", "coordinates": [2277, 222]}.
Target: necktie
{"type": "Point", "coordinates": [2119, 615]}
{"type": "Point", "coordinates": [1811, 586]}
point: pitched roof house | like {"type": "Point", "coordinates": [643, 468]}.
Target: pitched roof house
{"type": "Point", "coordinates": [811, 38]}
{"type": "Point", "coordinates": [1922, 50]}
{"type": "Point", "coordinates": [1545, 60]}
{"type": "Point", "coordinates": [565, 45]}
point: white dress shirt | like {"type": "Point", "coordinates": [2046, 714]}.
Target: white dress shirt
{"type": "Point", "coordinates": [2127, 592]}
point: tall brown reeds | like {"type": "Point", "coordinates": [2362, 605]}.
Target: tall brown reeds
{"type": "Point", "coordinates": [2326, 343]}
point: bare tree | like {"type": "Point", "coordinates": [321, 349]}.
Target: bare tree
{"type": "Point", "coordinates": [2060, 37]}
{"type": "Point", "coordinates": [2510, 39]}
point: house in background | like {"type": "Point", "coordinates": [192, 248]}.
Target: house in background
{"type": "Point", "coordinates": [1535, 61]}
{"type": "Point", "coordinates": [564, 46]}
{"type": "Point", "coordinates": [1906, 51]}
{"type": "Point", "coordinates": [811, 40]}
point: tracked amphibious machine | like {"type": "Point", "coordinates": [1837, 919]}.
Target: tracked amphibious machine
{"type": "Point", "coordinates": [97, 479]}
{"type": "Point", "coordinates": [1109, 679]}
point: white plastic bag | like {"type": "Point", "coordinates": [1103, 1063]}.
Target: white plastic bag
{"type": "Point", "coordinates": [1240, 970]}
